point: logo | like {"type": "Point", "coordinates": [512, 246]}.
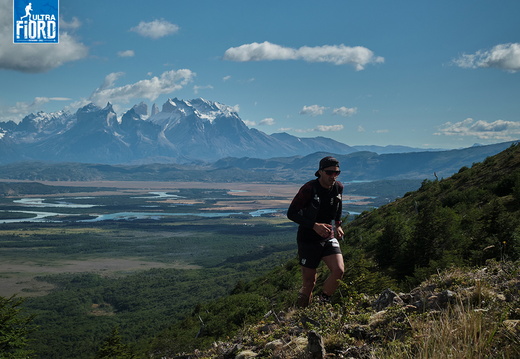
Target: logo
{"type": "Point", "coordinates": [35, 21]}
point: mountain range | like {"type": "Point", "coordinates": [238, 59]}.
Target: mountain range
{"type": "Point", "coordinates": [181, 132]}
{"type": "Point", "coordinates": [194, 131]}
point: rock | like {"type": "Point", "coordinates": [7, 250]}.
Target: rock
{"type": "Point", "coordinates": [411, 308]}
{"type": "Point", "coordinates": [274, 345]}
{"type": "Point", "coordinates": [433, 302]}
{"type": "Point", "coordinates": [387, 298]}
{"type": "Point", "coordinates": [306, 321]}
{"type": "Point", "coordinates": [377, 318]}
{"type": "Point", "coordinates": [358, 331]}
{"type": "Point", "coordinates": [268, 328]}
{"type": "Point", "coordinates": [297, 345]}
{"type": "Point", "coordinates": [315, 345]}
{"type": "Point", "coordinates": [512, 325]}
{"type": "Point", "coordinates": [246, 354]}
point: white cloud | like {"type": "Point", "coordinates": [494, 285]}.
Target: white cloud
{"type": "Point", "coordinates": [196, 89]}
{"type": "Point", "coordinates": [313, 110]}
{"type": "Point", "coordinates": [150, 89]}
{"type": "Point", "coordinates": [319, 128]}
{"type": "Point", "coordinates": [345, 111]}
{"type": "Point", "coordinates": [226, 78]}
{"type": "Point", "coordinates": [155, 29]}
{"type": "Point", "coordinates": [267, 121]}
{"type": "Point", "coordinates": [247, 81]}
{"type": "Point", "coordinates": [316, 110]}
{"type": "Point", "coordinates": [361, 129]}
{"type": "Point", "coordinates": [260, 52]}
{"type": "Point", "coordinates": [328, 128]}
{"type": "Point", "coordinates": [126, 53]}
{"type": "Point", "coordinates": [496, 130]}
{"type": "Point", "coordinates": [357, 56]}
{"type": "Point", "coordinates": [72, 25]}
{"type": "Point", "coordinates": [110, 79]}
{"type": "Point", "coordinates": [35, 58]}
{"type": "Point", "coordinates": [503, 56]}
{"type": "Point", "coordinates": [249, 123]}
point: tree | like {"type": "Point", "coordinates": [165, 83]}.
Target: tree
{"type": "Point", "coordinates": [14, 328]}
{"type": "Point", "coordinates": [114, 348]}
{"type": "Point", "coordinates": [390, 251]}
{"type": "Point", "coordinates": [437, 237]}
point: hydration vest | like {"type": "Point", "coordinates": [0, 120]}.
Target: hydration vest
{"type": "Point", "coordinates": [312, 209]}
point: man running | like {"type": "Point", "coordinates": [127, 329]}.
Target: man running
{"type": "Point", "coordinates": [315, 207]}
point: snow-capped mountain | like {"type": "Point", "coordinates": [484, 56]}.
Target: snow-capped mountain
{"type": "Point", "coordinates": [40, 125]}
{"type": "Point", "coordinates": [183, 131]}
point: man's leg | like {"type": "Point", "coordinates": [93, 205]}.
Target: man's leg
{"type": "Point", "coordinates": [336, 266]}
{"type": "Point", "coordinates": [309, 280]}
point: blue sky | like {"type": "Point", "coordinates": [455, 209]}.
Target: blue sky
{"type": "Point", "coordinates": [429, 74]}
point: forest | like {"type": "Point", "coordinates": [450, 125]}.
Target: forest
{"type": "Point", "coordinates": [191, 266]}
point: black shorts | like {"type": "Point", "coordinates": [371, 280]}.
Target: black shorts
{"type": "Point", "coordinates": [311, 253]}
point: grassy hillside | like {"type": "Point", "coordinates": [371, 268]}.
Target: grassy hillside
{"type": "Point", "coordinates": [463, 314]}
{"type": "Point", "coordinates": [463, 220]}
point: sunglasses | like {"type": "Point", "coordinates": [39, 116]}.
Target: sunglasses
{"type": "Point", "coordinates": [331, 172]}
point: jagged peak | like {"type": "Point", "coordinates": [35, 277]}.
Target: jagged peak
{"type": "Point", "coordinates": [175, 109]}
{"type": "Point", "coordinates": [214, 104]}
{"type": "Point", "coordinates": [199, 104]}
{"type": "Point", "coordinates": [91, 107]}
{"type": "Point", "coordinates": [109, 107]}
{"type": "Point", "coordinates": [44, 116]}
{"type": "Point", "coordinates": [210, 110]}
{"type": "Point", "coordinates": [155, 109]}
{"type": "Point", "coordinates": [176, 105]}
{"type": "Point", "coordinates": [141, 109]}
{"type": "Point", "coordinates": [137, 112]}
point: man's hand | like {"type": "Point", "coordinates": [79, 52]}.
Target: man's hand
{"type": "Point", "coordinates": [339, 232]}
{"type": "Point", "coordinates": [323, 229]}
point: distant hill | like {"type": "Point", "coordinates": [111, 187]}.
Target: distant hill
{"type": "Point", "coordinates": [392, 149]}
{"type": "Point", "coordinates": [357, 166]}
{"type": "Point", "coordinates": [369, 166]}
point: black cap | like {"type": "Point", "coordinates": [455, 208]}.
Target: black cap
{"type": "Point", "coordinates": [325, 162]}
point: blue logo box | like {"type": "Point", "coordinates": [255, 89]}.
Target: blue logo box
{"type": "Point", "coordinates": [35, 21]}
